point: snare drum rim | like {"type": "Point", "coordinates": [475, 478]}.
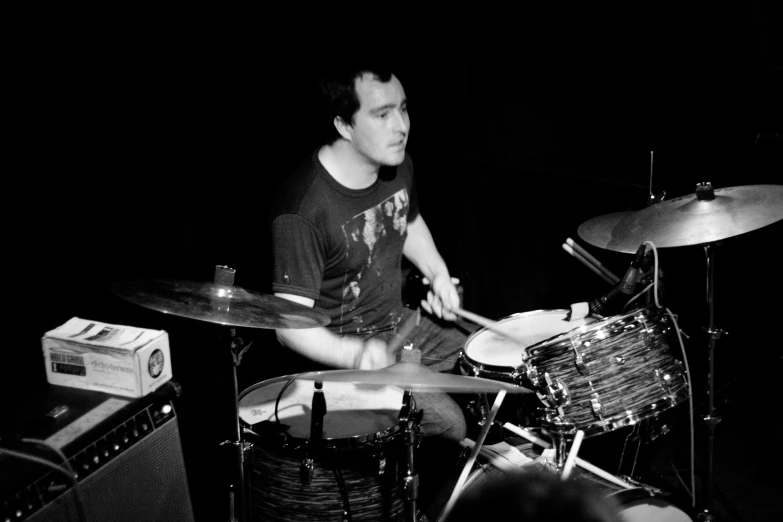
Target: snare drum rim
{"type": "Point", "coordinates": [629, 418]}
{"type": "Point", "coordinates": [330, 443]}
{"type": "Point", "coordinates": [591, 330]}
{"type": "Point", "coordinates": [625, 496]}
{"type": "Point", "coordinates": [515, 317]}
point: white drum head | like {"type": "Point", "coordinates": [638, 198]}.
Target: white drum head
{"type": "Point", "coordinates": [652, 510]}
{"type": "Point", "coordinates": [351, 409]}
{"type": "Point", "coordinates": [488, 347]}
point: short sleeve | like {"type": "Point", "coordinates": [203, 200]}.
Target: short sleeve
{"type": "Point", "coordinates": [298, 257]}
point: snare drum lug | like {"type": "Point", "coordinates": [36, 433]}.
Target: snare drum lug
{"type": "Point", "coordinates": [665, 383]}
{"type": "Point", "coordinates": [579, 359]}
{"type": "Point", "coordinates": [598, 408]}
{"type": "Point", "coordinates": [381, 466]}
{"type": "Point", "coordinates": [580, 364]}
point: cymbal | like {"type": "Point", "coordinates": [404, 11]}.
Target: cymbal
{"type": "Point", "coordinates": [687, 220]}
{"type": "Point", "coordinates": [419, 378]}
{"type": "Point", "coordinates": [225, 305]}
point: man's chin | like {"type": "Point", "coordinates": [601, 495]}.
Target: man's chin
{"type": "Point", "coordinates": [393, 160]}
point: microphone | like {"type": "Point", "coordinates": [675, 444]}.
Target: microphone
{"type": "Point", "coordinates": [317, 413]}
{"type": "Point", "coordinates": [608, 303]}
{"type": "Point", "coordinates": [312, 448]}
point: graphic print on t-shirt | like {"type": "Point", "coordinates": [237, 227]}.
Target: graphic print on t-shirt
{"type": "Point", "coordinates": [374, 242]}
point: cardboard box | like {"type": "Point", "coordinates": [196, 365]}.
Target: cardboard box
{"type": "Point", "coordinates": [122, 360]}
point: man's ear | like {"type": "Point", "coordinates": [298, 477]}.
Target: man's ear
{"type": "Point", "coordinates": [345, 130]}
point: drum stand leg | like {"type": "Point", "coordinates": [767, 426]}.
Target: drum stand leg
{"type": "Point", "coordinates": [409, 418]}
{"type": "Point", "coordinates": [560, 430]}
{"type": "Point", "coordinates": [237, 485]}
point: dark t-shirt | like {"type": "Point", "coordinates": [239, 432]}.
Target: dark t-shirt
{"type": "Point", "coordinates": [343, 247]}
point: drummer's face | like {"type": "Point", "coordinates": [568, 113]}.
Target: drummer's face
{"type": "Point", "coordinates": [379, 129]}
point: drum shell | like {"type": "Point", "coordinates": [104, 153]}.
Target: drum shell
{"type": "Point", "coordinates": [367, 463]}
{"type": "Point", "coordinates": [627, 371]}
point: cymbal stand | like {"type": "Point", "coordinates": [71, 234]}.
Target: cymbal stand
{"type": "Point", "coordinates": [710, 419]}
{"type": "Point", "coordinates": [237, 486]}
{"type": "Point", "coordinates": [409, 419]}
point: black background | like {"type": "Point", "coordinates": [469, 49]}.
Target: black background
{"type": "Point", "coordinates": [152, 149]}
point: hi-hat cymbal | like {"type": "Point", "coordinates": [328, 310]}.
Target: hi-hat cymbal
{"type": "Point", "coordinates": [226, 305]}
{"type": "Point", "coordinates": [419, 378]}
{"type": "Point", "coordinates": [688, 220]}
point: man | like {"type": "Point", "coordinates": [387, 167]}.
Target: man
{"type": "Point", "coordinates": [340, 226]}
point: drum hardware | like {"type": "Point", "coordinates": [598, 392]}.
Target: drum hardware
{"type": "Point", "coordinates": [703, 218]}
{"type": "Point", "coordinates": [579, 360]}
{"type": "Point", "coordinates": [596, 406]}
{"type": "Point", "coordinates": [559, 430]}
{"type": "Point", "coordinates": [409, 423]}
{"type": "Point", "coordinates": [556, 393]}
{"type": "Point", "coordinates": [312, 445]}
{"type": "Point", "coordinates": [606, 399]}
{"type": "Point", "coordinates": [472, 458]}
{"type": "Point", "coordinates": [227, 306]}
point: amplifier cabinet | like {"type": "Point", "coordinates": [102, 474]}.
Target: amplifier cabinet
{"type": "Point", "coordinates": [129, 464]}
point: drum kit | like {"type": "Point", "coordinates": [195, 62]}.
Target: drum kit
{"type": "Point", "coordinates": [296, 459]}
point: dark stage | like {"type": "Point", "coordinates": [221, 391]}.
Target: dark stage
{"type": "Point", "coordinates": [149, 157]}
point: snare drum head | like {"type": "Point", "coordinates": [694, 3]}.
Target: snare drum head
{"type": "Point", "coordinates": [351, 409]}
{"type": "Point", "coordinates": [489, 347]}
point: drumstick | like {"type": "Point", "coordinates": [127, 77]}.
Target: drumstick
{"type": "Point", "coordinates": [497, 460]}
{"type": "Point", "coordinates": [571, 459]}
{"type": "Point", "coordinates": [587, 263]}
{"type": "Point", "coordinates": [472, 458]}
{"type": "Point", "coordinates": [405, 330]}
{"type": "Point", "coordinates": [573, 244]}
{"type": "Point", "coordinates": [486, 323]}
{"type": "Point", "coordinates": [579, 462]}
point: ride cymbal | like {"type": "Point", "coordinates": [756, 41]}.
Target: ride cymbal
{"type": "Point", "coordinates": [225, 305]}
{"type": "Point", "coordinates": [419, 378]}
{"type": "Point", "coordinates": [703, 217]}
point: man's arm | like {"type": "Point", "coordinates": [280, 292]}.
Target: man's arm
{"type": "Point", "coordinates": [421, 251]}
{"type": "Point", "coordinates": [321, 345]}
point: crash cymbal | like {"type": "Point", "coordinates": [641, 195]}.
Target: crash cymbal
{"type": "Point", "coordinates": [419, 378]}
{"type": "Point", "coordinates": [688, 220]}
{"type": "Point", "coordinates": [226, 305]}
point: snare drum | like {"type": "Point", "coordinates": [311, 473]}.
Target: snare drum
{"type": "Point", "coordinates": [356, 468]}
{"type": "Point", "coordinates": [489, 355]}
{"type": "Point", "coordinates": [610, 373]}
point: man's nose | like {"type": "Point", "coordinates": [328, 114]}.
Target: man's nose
{"type": "Point", "coordinates": [402, 122]}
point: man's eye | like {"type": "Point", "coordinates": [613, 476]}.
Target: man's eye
{"type": "Point", "coordinates": [383, 115]}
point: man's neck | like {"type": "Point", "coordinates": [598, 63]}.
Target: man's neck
{"type": "Point", "coordinates": [346, 166]}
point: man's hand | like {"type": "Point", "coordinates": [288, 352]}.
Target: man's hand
{"type": "Point", "coordinates": [375, 355]}
{"type": "Point", "coordinates": [442, 297]}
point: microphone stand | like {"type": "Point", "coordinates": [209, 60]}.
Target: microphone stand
{"type": "Point", "coordinates": [410, 417]}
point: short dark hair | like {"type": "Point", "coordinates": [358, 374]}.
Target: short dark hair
{"type": "Point", "coordinates": [338, 94]}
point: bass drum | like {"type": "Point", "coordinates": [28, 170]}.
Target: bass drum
{"type": "Point", "coordinates": [487, 479]}
{"type": "Point", "coordinates": [354, 472]}
{"type": "Point", "coordinates": [638, 505]}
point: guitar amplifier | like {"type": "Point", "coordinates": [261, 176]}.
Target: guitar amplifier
{"type": "Point", "coordinates": [126, 452]}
